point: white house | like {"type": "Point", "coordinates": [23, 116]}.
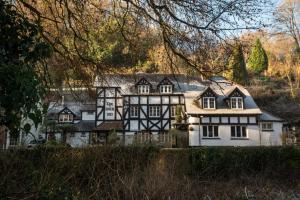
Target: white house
{"type": "Point", "coordinates": [225, 114]}
{"type": "Point", "coordinates": [217, 113]}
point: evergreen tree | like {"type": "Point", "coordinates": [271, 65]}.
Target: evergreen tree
{"type": "Point", "coordinates": [237, 66]}
{"type": "Point", "coordinates": [21, 86]}
{"type": "Point", "coordinates": [258, 60]}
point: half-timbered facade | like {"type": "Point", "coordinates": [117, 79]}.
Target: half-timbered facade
{"type": "Point", "coordinates": [154, 113]}
{"type": "Point", "coordinates": [216, 113]}
{"type": "Point", "coordinates": [219, 113]}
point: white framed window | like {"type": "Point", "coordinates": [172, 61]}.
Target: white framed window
{"type": "Point", "coordinates": [267, 126]}
{"type": "Point", "coordinates": [173, 111]}
{"type": "Point", "coordinates": [143, 89]}
{"type": "Point", "coordinates": [166, 89]}
{"type": "Point", "coordinates": [154, 111]}
{"type": "Point", "coordinates": [210, 131]}
{"type": "Point", "coordinates": [236, 102]}
{"type": "Point", "coordinates": [209, 102]}
{"type": "Point", "coordinates": [238, 132]}
{"type": "Point", "coordinates": [65, 118]}
{"type": "Point", "coordinates": [134, 111]}
{"type": "Point", "coordinates": [83, 134]}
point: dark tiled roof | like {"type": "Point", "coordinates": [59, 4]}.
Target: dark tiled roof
{"type": "Point", "coordinates": [75, 107]}
{"type": "Point", "coordinates": [85, 126]}
{"type": "Point", "coordinates": [109, 125]}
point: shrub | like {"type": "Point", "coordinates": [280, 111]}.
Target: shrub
{"type": "Point", "coordinates": [145, 172]}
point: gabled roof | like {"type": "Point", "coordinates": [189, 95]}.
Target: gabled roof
{"type": "Point", "coordinates": [235, 92]}
{"type": "Point", "coordinates": [165, 81]}
{"type": "Point", "coordinates": [109, 125]}
{"type": "Point", "coordinates": [75, 107]}
{"type": "Point", "coordinates": [143, 81]}
{"type": "Point", "coordinates": [208, 92]}
{"type": "Point", "coordinates": [66, 110]}
{"type": "Point", "coordinates": [127, 82]}
{"type": "Point", "coordinates": [268, 117]}
{"type": "Point", "coordinates": [84, 126]}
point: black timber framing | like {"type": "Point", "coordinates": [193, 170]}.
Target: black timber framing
{"type": "Point", "coordinates": [101, 95]}
{"type": "Point", "coordinates": [161, 123]}
{"type": "Point", "coordinates": [228, 119]}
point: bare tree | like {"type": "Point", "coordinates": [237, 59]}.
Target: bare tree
{"type": "Point", "coordinates": [287, 17]}
{"type": "Point", "coordinates": [190, 30]}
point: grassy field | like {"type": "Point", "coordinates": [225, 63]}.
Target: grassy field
{"type": "Point", "coordinates": [150, 173]}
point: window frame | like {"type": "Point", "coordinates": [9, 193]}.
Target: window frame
{"type": "Point", "coordinates": [165, 89]}
{"type": "Point", "coordinates": [154, 111]}
{"type": "Point", "coordinates": [134, 110]}
{"type": "Point", "coordinates": [238, 102]}
{"type": "Point", "coordinates": [267, 128]}
{"type": "Point", "coordinates": [173, 111]}
{"type": "Point", "coordinates": [209, 103]}
{"type": "Point", "coordinates": [210, 131]}
{"type": "Point", "coordinates": [65, 118]}
{"type": "Point", "coordinates": [143, 89]}
{"type": "Point", "coordinates": [240, 132]}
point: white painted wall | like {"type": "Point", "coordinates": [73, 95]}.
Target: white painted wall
{"type": "Point", "coordinates": [273, 138]}
{"type": "Point", "coordinates": [256, 137]}
{"type": "Point", "coordinates": [196, 139]}
{"type": "Point", "coordinates": [88, 116]}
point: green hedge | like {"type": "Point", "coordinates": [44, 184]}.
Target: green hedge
{"type": "Point", "coordinates": [52, 173]}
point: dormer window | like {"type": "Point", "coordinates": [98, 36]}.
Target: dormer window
{"type": "Point", "coordinates": [236, 99]}
{"type": "Point", "coordinates": [166, 89]}
{"type": "Point", "coordinates": [165, 86]}
{"type": "Point", "coordinates": [236, 102]}
{"type": "Point", "coordinates": [208, 99]}
{"type": "Point", "coordinates": [65, 118]}
{"type": "Point", "coordinates": [209, 103]}
{"type": "Point", "coordinates": [143, 89]}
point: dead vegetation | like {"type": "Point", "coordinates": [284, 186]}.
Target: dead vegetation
{"type": "Point", "coordinates": [150, 173]}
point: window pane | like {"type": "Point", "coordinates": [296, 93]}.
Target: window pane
{"type": "Point", "coordinates": [240, 103]}
{"type": "Point", "coordinates": [233, 102]}
{"type": "Point", "coordinates": [211, 103]}
{"type": "Point", "coordinates": [210, 131]}
{"type": "Point", "coordinates": [173, 111]}
{"type": "Point", "coordinates": [205, 103]}
{"type": "Point", "coordinates": [244, 131]}
{"type": "Point", "coordinates": [238, 131]}
{"type": "Point", "coordinates": [204, 131]}
{"type": "Point", "coordinates": [270, 127]}
{"type": "Point", "coordinates": [216, 131]}
{"type": "Point", "coordinates": [232, 131]}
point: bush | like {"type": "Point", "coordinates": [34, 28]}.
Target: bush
{"type": "Point", "coordinates": [146, 172]}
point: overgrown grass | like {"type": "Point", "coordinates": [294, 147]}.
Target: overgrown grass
{"type": "Point", "coordinates": [150, 173]}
